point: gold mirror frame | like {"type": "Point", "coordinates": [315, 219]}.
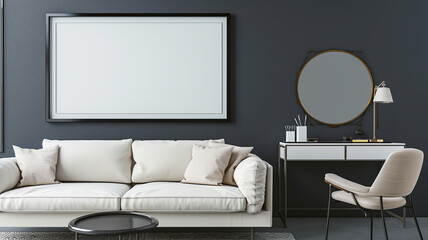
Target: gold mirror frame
{"type": "Point", "coordinates": [327, 51]}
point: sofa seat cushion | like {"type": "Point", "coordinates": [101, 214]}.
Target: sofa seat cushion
{"type": "Point", "coordinates": [182, 197]}
{"type": "Point", "coordinates": [64, 197]}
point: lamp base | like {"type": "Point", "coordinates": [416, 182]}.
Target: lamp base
{"type": "Point", "coordinates": [374, 140]}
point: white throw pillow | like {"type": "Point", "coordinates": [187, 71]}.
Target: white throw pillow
{"type": "Point", "coordinates": [37, 166]}
{"type": "Point", "coordinates": [162, 160]}
{"type": "Point", "coordinates": [93, 160]}
{"type": "Point", "coordinates": [238, 154]}
{"type": "Point", "coordinates": [207, 165]}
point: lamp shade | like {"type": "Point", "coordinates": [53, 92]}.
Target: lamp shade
{"type": "Point", "coordinates": [383, 95]}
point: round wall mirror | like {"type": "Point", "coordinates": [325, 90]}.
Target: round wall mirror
{"type": "Point", "coordinates": [335, 87]}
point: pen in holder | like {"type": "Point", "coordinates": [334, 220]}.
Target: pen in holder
{"type": "Point", "coordinates": [301, 134]}
{"type": "Point", "coordinates": [301, 129]}
{"type": "Point", "coordinates": [290, 134]}
{"type": "Point", "coordinates": [298, 133]}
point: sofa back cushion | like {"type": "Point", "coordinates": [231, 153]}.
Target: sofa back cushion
{"type": "Point", "coordinates": [162, 160]}
{"type": "Point", "coordinates": [93, 160]}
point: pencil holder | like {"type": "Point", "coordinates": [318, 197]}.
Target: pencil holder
{"type": "Point", "coordinates": [301, 134]}
{"type": "Point", "coordinates": [290, 136]}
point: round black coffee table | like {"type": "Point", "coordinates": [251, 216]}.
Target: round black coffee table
{"type": "Point", "coordinates": [112, 223]}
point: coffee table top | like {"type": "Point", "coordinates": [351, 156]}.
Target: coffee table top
{"type": "Point", "coordinates": [117, 222]}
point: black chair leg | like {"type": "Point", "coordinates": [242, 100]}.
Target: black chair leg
{"type": "Point", "coordinates": [371, 226]}
{"type": "Point", "coordinates": [414, 216]}
{"type": "Point", "coordinates": [383, 217]}
{"type": "Point", "coordinates": [328, 212]}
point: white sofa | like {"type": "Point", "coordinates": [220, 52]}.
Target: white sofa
{"type": "Point", "coordinates": [141, 176]}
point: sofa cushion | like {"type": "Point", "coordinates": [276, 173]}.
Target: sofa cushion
{"type": "Point", "coordinates": [37, 166]}
{"type": "Point", "coordinates": [173, 196]}
{"type": "Point", "coordinates": [162, 160]}
{"type": "Point", "coordinates": [93, 160]}
{"type": "Point", "coordinates": [250, 175]}
{"type": "Point", "coordinates": [9, 174]}
{"type": "Point", "coordinates": [64, 197]}
{"type": "Point", "coordinates": [238, 154]}
{"type": "Point", "coordinates": [207, 165]}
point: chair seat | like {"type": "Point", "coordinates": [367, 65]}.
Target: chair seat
{"type": "Point", "coordinates": [371, 203]}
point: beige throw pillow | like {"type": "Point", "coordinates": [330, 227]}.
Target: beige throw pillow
{"type": "Point", "coordinates": [207, 165]}
{"type": "Point", "coordinates": [37, 166]}
{"type": "Point", "coordinates": [238, 154]}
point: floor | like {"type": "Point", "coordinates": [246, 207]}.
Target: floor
{"type": "Point", "coordinates": [352, 228]}
{"type": "Point", "coordinates": [300, 228]}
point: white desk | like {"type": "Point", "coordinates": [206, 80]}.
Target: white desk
{"type": "Point", "coordinates": [334, 151]}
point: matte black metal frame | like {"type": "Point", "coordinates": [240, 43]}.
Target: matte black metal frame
{"type": "Point", "coordinates": [368, 212]}
{"type": "Point", "coordinates": [47, 63]}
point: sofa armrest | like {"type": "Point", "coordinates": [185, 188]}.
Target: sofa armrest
{"type": "Point", "coordinates": [9, 174]}
{"type": "Point", "coordinates": [250, 176]}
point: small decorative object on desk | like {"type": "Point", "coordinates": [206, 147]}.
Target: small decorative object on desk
{"type": "Point", "coordinates": [290, 133]}
{"type": "Point", "coordinates": [301, 129]}
{"type": "Point", "coordinates": [347, 139]}
{"type": "Point", "coordinates": [360, 140]}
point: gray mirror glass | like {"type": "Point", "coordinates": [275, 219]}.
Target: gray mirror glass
{"type": "Point", "coordinates": [335, 87]}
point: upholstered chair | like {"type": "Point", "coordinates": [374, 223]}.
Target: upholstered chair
{"type": "Point", "coordinates": [391, 189]}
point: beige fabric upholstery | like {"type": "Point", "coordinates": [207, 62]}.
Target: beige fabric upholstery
{"type": "Point", "coordinates": [346, 184]}
{"type": "Point", "coordinates": [399, 174]}
{"type": "Point", "coordinates": [238, 154]}
{"type": "Point", "coordinates": [93, 160]}
{"type": "Point", "coordinates": [372, 203]}
{"type": "Point", "coordinates": [207, 165]}
{"type": "Point", "coordinates": [396, 180]}
{"type": "Point", "coordinates": [162, 160]}
{"type": "Point", "coordinates": [64, 197]}
{"type": "Point", "coordinates": [37, 166]}
{"type": "Point", "coordinates": [250, 175]}
{"type": "Point", "coordinates": [9, 174]}
{"type": "Point", "coordinates": [181, 197]}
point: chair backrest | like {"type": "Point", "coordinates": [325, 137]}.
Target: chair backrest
{"type": "Point", "coordinates": [399, 173]}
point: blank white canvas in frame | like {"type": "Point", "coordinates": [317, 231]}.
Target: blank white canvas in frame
{"type": "Point", "coordinates": [138, 67]}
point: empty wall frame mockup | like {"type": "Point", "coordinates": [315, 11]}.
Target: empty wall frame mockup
{"type": "Point", "coordinates": [136, 66]}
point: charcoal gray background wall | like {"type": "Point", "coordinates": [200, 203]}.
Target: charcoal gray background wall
{"type": "Point", "coordinates": [270, 39]}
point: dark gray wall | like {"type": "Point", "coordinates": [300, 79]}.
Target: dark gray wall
{"type": "Point", "coordinates": [270, 39]}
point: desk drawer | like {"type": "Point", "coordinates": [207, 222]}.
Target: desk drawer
{"type": "Point", "coordinates": [315, 153]}
{"type": "Point", "coordinates": [370, 152]}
